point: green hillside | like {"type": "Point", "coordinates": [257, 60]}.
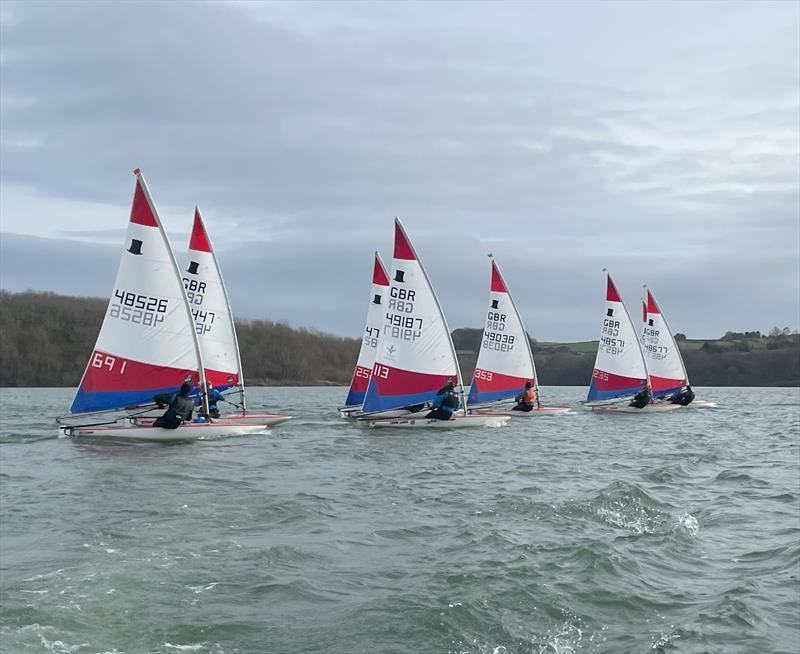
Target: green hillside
{"type": "Point", "coordinates": [47, 338]}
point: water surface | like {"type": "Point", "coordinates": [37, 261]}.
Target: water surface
{"type": "Point", "coordinates": [676, 532]}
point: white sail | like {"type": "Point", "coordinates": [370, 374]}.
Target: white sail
{"type": "Point", "coordinates": [664, 360]}
{"type": "Point", "coordinates": [505, 360]}
{"type": "Point", "coordinates": [619, 369]}
{"type": "Point", "coordinates": [146, 343]}
{"type": "Point", "coordinates": [415, 354]}
{"type": "Point", "coordinates": [372, 329]}
{"type": "Point", "coordinates": [211, 310]}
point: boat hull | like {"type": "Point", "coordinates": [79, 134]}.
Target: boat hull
{"type": "Point", "coordinates": [389, 413]}
{"type": "Point", "coordinates": [459, 422]}
{"type": "Point", "coordinates": [187, 432]}
{"type": "Point", "coordinates": [257, 419]}
{"type": "Point", "coordinates": [696, 404]}
{"type": "Point", "coordinates": [700, 404]}
{"type": "Point", "coordinates": [625, 408]}
{"type": "Point", "coordinates": [266, 419]}
{"type": "Point", "coordinates": [533, 413]}
{"type": "Point", "coordinates": [350, 411]}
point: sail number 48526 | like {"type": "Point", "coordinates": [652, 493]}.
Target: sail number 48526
{"type": "Point", "coordinates": [139, 309]}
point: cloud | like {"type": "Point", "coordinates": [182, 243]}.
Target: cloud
{"type": "Point", "coordinates": [660, 141]}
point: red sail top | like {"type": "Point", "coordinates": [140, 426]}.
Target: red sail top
{"type": "Point", "coordinates": [402, 248]}
{"type": "Point", "coordinates": [612, 294]}
{"type": "Point", "coordinates": [379, 275]}
{"type": "Point", "coordinates": [498, 285]}
{"type": "Point", "coordinates": [199, 240]}
{"type": "Point", "coordinates": [141, 213]}
{"type": "Point", "coordinates": [652, 307]}
{"type": "Point", "coordinates": [644, 311]}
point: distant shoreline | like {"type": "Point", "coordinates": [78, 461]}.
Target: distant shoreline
{"type": "Point", "coordinates": [47, 339]}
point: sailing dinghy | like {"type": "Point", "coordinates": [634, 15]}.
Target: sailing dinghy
{"type": "Point", "coordinates": [369, 344]}
{"type": "Point", "coordinates": [215, 328]}
{"type": "Point", "coordinates": [663, 357]}
{"type": "Point", "coordinates": [415, 354]}
{"type": "Point", "coordinates": [619, 370]}
{"type": "Point", "coordinates": [147, 344]}
{"type": "Point", "coordinates": [505, 361]}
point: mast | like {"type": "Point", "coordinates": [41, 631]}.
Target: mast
{"type": "Point", "coordinates": [195, 340]}
{"type": "Point", "coordinates": [230, 311]}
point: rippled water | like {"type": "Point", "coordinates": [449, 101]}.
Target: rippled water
{"type": "Point", "coordinates": [675, 532]}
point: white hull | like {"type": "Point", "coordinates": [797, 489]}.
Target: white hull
{"type": "Point", "coordinates": [262, 420]}
{"type": "Point", "coordinates": [186, 432]}
{"type": "Point", "coordinates": [696, 404]}
{"type": "Point", "coordinates": [700, 404]}
{"type": "Point", "coordinates": [533, 413]}
{"type": "Point", "coordinates": [265, 419]}
{"type": "Point", "coordinates": [626, 408]}
{"type": "Point", "coordinates": [389, 413]}
{"type": "Point", "coordinates": [459, 422]}
{"type": "Point", "coordinates": [350, 411]}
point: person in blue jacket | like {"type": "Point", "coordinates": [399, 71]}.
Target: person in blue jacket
{"type": "Point", "coordinates": [214, 396]}
{"type": "Point", "coordinates": [445, 402]}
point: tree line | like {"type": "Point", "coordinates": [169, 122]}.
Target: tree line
{"type": "Point", "coordinates": [46, 340]}
{"type": "Point", "coordinates": [752, 360]}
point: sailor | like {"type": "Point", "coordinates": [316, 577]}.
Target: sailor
{"type": "Point", "coordinates": [683, 397]}
{"type": "Point", "coordinates": [178, 411]}
{"type": "Point", "coordinates": [526, 399]}
{"type": "Point", "coordinates": [642, 398]}
{"type": "Point", "coordinates": [214, 396]}
{"type": "Point", "coordinates": [445, 402]}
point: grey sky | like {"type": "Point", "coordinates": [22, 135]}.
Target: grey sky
{"type": "Point", "coordinates": [660, 140]}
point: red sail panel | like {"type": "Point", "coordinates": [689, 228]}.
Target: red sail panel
{"type": "Point", "coordinates": [612, 294]}
{"type": "Point", "coordinates": [141, 213]}
{"type": "Point", "coordinates": [498, 285]}
{"type": "Point", "coordinates": [199, 241]}
{"type": "Point", "coordinates": [402, 248]}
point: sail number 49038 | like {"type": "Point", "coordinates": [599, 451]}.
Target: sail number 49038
{"type": "Point", "coordinates": [139, 309]}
